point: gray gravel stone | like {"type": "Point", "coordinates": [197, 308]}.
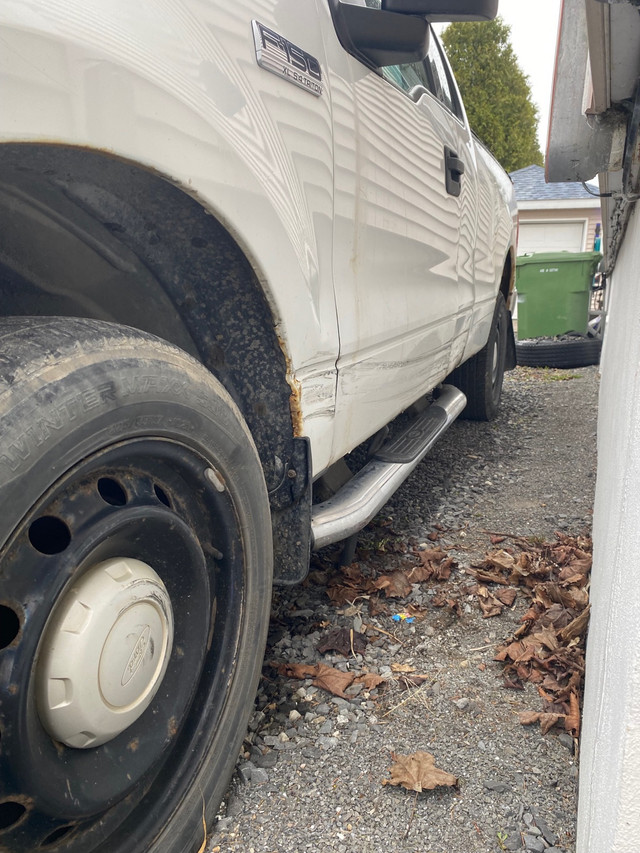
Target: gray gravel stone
{"type": "Point", "coordinates": [495, 785]}
{"type": "Point", "coordinates": [566, 740]}
{"type": "Point", "coordinates": [513, 841]}
{"type": "Point", "coordinates": [259, 775]}
{"type": "Point", "coordinates": [269, 759]}
{"type": "Point", "coordinates": [534, 844]}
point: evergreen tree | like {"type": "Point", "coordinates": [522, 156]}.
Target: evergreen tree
{"type": "Point", "coordinates": [496, 93]}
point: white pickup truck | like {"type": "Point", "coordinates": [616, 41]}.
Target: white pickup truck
{"type": "Point", "coordinates": [237, 239]}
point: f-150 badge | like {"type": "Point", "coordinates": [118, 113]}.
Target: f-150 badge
{"type": "Point", "coordinates": [280, 56]}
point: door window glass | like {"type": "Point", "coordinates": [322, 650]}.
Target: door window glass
{"type": "Point", "coordinates": [442, 87]}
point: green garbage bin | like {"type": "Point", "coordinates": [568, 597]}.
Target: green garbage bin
{"type": "Point", "coordinates": [553, 292]}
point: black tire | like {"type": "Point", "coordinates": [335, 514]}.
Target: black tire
{"type": "Point", "coordinates": [564, 353]}
{"type": "Point", "coordinates": [106, 437]}
{"type": "Point", "coordinates": [481, 377]}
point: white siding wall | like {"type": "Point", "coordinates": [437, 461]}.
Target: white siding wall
{"type": "Point", "coordinates": [609, 807]}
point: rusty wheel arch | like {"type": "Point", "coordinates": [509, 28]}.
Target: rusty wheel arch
{"type": "Point", "coordinates": [89, 235]}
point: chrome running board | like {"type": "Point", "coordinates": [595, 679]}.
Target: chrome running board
{"type": "Point", "coordinates": [356, 503]}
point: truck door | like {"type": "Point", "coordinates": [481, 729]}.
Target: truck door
{"type": "Point", "coordinates": [404, 231]}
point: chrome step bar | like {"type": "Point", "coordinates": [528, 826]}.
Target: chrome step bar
{"type": "Point", "coordinates": [356, 503]}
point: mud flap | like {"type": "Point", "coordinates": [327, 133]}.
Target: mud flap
{"type": "Point", "coordinates": [510, 356]}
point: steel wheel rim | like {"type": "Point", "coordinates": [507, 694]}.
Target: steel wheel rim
{"type": "Point", "coordinates": [157, 504]}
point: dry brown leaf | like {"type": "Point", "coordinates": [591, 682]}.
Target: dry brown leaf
{"type": "Point", "coordinates": [369, 679]}
{"type": "Point", "coordinates": [330, 679]}
{"type": "Point", "coordinates": [418, 772]}
{"type": "Point", "coordinates": [576, 628]}
{"type": "Point", "coordinates": [500, 560]}
{"type": "Point", "coordinates": [344, 641]}
{"type": "Point", "coordinates": [416, 611]}
{"type": "Point", "coordinates": [432, 555]}
{"type": "Point", "coordinates": [377, 606]}
{"type": "Point", "coordinates": [434, 565]}
{"type": "Point", "coordinates": [488, 577]}
{"type": "Point", "coordinates": [547, 721]}
{"type": "Point", "coordinates": [490, 606]}
{"type": "Point", "coordinates": [506, 596]}
{"type": "Point", "coordinates": [341, 594]}
{"type": "Point", "coordinates": [408, 680]}
{"type": "Point", "coordinates": [296, 670]}
{"type": "Point", "coordinates": [402, 667]}
{"type": "Point", "coordinates": [572, 721]}
{"type": "Point", "coordinates": [333, 680]}
{"type": "Point", "coordinates": [528, 718]}
{"type": "Point", "coordinates": [395, 585]}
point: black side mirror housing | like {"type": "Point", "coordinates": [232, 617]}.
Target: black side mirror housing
{"type": "Point", "coordinates": [445, 10]}
{"type": "Point", "coordinates": [381, 37]}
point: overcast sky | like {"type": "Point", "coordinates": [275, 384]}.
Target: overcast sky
{"type": "Point", "coordinates": [534, 33]}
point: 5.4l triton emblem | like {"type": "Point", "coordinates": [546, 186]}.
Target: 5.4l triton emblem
{"type": "Point", "coordinates": [283, 58]}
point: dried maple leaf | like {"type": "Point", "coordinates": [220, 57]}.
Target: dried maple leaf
{"type": "Point", "coordinates": [432, 555]}
{"type": "Point", "coordinates": [488, 577]}
{"type": "Point", "coordinates": [344, 641]}
{"type": "Point", "coordinates": [572, 721]}
{"type": "Point", "coordinates": [340, 594]}
{"type": "Point", "coordinates": [512, 684]}
{"type": "Point", "coordinates": [416, 611]}
{"type": "Point", "coordinates": [499, 560]}
{"type": "Point", "coordinates": [576, 628]}
{"type": "Point", "coordinates": [408, 680]}
{"type": "Point", "coordinates": [395, 585]}
{"type": "Point", "coordinates": [547, 721]}
{"type": "Point", "coordinates": [490, 606]}
{"type": "Point", "coordinates": [377, 607]}
{"type": "Point", "coordinates": [418, 772]}
{"type": "Point", "coordinates": [332, 680]}
{"type": "Point", "coordinates": [528, 718]}
{"type": "Point", "coordinates": [506, 596]}
{"type": "Point", "coordinates": [369, 679]}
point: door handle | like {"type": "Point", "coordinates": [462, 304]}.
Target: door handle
{"type": "Point", "coordinates": [453, 171]}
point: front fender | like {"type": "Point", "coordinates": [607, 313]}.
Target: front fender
{"type": "Point", "coordinates": [176, 89]}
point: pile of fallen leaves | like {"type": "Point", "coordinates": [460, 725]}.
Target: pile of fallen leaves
{"type": "Point", "coordinates": [356, 583]}
{"type": "Point", "coordinates": [548, 648]}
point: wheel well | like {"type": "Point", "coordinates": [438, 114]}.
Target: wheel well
{"type": "Point", "coordinates": [507, 280]}
{"type": "Point", "coordinates": [88, 235]}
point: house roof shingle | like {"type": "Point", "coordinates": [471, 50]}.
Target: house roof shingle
{"type": "Point", "coordinates": [530, 185]}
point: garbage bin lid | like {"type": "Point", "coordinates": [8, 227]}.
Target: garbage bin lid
{"type": "Point", "coordinates": [556, 257]}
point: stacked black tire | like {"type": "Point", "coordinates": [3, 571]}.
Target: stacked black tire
{"type": "Point", "coordinates": [567, 351]}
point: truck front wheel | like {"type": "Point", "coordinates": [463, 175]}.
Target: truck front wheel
{"type": "Point", "coordinates": [135, 578]}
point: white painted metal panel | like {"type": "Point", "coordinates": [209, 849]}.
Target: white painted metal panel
{"type": "Point", "coordinates": [403, 246]}
{"type": "Point", "coordinates": [175, 87]}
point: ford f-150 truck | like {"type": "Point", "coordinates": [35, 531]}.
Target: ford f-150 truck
{"type": "Point", "coordinates": [237, 239]}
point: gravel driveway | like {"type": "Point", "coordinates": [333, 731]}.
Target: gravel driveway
{"type": "Point", "coordinates": [310, 776]}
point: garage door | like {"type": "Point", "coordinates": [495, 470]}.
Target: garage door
{"type": "Point", "coordinates": [551, 237]}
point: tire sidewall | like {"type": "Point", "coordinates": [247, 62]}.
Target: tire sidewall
{"type": "Point", "coordinates": [497, 337]}
{"type": "Point", "coordinates": [63, 408]}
